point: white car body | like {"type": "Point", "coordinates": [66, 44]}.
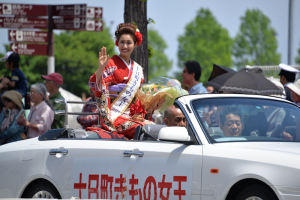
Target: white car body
{"type": "Point", "coordinates": [174, 169]}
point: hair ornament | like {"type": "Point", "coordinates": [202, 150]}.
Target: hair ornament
{"type": "Point", "coordinates": [139, 37]}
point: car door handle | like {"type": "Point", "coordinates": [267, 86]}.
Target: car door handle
{"type": "Point", "coordinates": [133, 153]}
{"type": "Point", "coordinates": [57, 151]}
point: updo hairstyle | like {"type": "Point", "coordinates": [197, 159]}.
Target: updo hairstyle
{"type": "Point", "coordinates": [126, 28]}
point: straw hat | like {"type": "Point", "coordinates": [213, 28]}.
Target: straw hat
{"type": "Point", "coordinates": [14, 96]}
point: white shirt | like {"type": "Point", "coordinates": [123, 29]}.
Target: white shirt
{"type": "Point", "coordinates": [42, 116]}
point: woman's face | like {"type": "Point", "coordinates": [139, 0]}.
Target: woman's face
{"type": "Point", "coordinates": [35, 96]}
{"type": "Point", "coordinates": [126, 45]}
{"type": "Point", "coordinates": [9, 103]}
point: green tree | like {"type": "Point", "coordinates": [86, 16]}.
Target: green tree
{"type": "Point", "coordinates": [159, 64]}
{"type": "Point", "coordinates": [298, 57]}
{"type": "Point", "coordinates": [76, 58]}
{"type": "Point", "coordinates": [256, 43]}
{"type": "Point", "coordinates": [205, 41]}
{"type": "Point", "coordinates": [3, 70]}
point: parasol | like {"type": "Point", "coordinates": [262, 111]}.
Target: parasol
{"type": "Point", "coordinates": [250, 82]}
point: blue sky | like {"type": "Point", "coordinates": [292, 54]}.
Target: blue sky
{"type": "Point", "coordinates": [171, 16]}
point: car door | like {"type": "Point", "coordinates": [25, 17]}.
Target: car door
{"type": "Point", "coordinates": [112, 169]}
{"type": "Point", "coordinates": [78, 167]}
{"type": "Point", "coordinates": [163, 170]}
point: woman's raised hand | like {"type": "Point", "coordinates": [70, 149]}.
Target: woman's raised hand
{"type": "Point", "coordinates": [103, 58]}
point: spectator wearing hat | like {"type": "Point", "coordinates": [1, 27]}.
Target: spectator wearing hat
{"type": "Point", "coordinates": [18, 80]}
{"type": "Point", "coordinates": [10, 130]}
{"type": "Point", "coordinates": [53, 81]}
{"type": "Point", "coordinates": [190, 78]}
{"type": "Point", "coordinates": [41, 115]}
{"type": "Point", "coordinates": [287, 76]}
{"type": "Point", "coordinates": [295, 91]}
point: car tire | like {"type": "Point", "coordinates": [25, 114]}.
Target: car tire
{"type": "Point", "coordinates": [42, 191]}
{"type": "Point", "coordinates": [255, 192]}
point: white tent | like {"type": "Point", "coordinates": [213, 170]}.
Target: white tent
{"type": "Point", "coordinates": [72, 107]}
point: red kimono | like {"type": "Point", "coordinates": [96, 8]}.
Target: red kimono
{"type": "Point", "coordinates": [116, 107]}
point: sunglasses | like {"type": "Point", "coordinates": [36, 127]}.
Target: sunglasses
{"type": "Point", "coordinates": [179, 119]}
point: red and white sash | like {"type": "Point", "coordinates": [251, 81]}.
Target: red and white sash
{"type": "Point", "coordinates": [122, 102]}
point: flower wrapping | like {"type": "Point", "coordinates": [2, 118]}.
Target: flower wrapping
{"type": "Point", "coordinates": [159, 94]}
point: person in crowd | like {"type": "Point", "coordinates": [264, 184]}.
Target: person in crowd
{"type": "Point", "coordinates": [174, 117]}
{"type": "Point", "coordinates": [231, 122]}
{"type": "Point", "coordinates": [287, 76]}
{"type": "Point", "coordinates": [212, 116]}
{"type": "Point", "coordinates": [210, 89]}
{"type": "Point", "coordinates": [3, 83]}
{"type": "Point", "coordinates": [3, 88]}
{"type": "Point", "coordinates": [116, 82]}
{"type": "Point", "coordinates": [89, 120]}
{"type": "Point", "coordinates": [10, 130]}
{"type": "Point", "coordinates": [41, 115]}
{"type": "Point", "coordinates": [191, 76]}
{"type": "Point", "coordinates": [295, 91]}
{"type": "Point", "coordinates": [18, 80]}
{"type": "Point", "coordinates": [53, 81]}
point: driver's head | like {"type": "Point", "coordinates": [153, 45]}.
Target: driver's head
{"type": "Point", "coordinates": [174, 117]}
{"type": "Point", "coordinates": [231, 122]}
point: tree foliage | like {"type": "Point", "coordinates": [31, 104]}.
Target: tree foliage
{"type": "Point", "coordinates": [76, 55]}
{"type": "Point", "coordinates": [76, 58]}
{"type": "Point", "coordinates": [159, 64]}
{"type": "Point", "coordinates": [256, 43]}
{"type": "Point", "coordinates": [205, 41]}
{"type": "Point", "coordinates": [298, 57]}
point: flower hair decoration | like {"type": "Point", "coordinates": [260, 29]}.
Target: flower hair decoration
{"type": "Point", "coordinates": [139, 38]}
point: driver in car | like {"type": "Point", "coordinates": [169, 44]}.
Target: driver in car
{"type": "Point", "coordinates": [231, 122]}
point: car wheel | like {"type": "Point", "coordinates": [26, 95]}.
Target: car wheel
{"type": "Point", "coordinates": [255, 192]}
{"type": "Point", "coordinates": [42, 191]}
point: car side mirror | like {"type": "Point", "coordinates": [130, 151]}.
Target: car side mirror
{"type": "Point", "coordinates": [175, 134]}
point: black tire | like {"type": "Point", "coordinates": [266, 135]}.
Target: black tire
{"type": "Point", "coordinates": [42, 190]}
{"type": "Point", "coordinates": [255, 192]}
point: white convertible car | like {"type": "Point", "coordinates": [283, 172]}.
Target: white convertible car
{"type": "Point", "coordinates": [235, 147]}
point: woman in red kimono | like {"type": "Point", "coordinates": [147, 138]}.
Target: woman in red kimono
{"type": "Point", "coordinates": [116, 82]}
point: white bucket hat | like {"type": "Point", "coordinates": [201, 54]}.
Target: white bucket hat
{"type": "Point", "coordinates": [295, 87]}
{"type": "Point", "coordinates": [3, 59]}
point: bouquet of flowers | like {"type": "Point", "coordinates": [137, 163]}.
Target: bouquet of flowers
{"type": "Point", "coordinates": [159, 93]}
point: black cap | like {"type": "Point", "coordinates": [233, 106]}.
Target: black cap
{"type": "Point", "coordinates": [13, 57]}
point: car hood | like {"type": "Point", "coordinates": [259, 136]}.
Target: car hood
{"type": "Point", "coordinates": [280, 147]}
{"type": "Point", "coordinates": [279, 153]}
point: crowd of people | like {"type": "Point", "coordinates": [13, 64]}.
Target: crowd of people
{"type": "Point", "coordinates": [14, 91]}
{"type": "Point", "coordinates": [114, 87]}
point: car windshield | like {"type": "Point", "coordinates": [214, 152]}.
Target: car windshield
{"type": "Point", "coordinates": [248, 119]}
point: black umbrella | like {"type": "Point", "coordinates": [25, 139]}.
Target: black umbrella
{"type": "Point", "coordinates": [219, 81]}
{"type": "Point", "coordinates": [219, 70]}
{"type": "Point", "coordinates": [250, 82]}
